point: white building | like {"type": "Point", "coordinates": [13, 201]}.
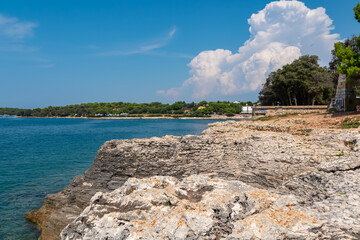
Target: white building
{"type": "Point", "coordinates": [246, 109]}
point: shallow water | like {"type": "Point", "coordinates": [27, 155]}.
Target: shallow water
{"type": "Point", "coordinates": [39, 156]}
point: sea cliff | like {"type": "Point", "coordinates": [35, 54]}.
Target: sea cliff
{"type": "Point", "coordinates": [316, 170]}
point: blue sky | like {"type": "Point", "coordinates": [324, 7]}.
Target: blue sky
{"type": "Point", "coordinates": [67, 52]}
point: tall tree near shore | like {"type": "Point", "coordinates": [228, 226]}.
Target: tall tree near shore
{"type": "Point", "coordinates": [302, 82]}
{"type": "Point", "coordinates": [347, 53]}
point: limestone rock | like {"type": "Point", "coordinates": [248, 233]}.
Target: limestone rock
{"type": "Point", "coordinates": [315, 166]}
{"type": "Point", "coordinates": [197, 207]}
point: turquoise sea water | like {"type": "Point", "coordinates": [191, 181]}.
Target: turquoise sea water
{"type": "Point", "coordinates": [39, 156]}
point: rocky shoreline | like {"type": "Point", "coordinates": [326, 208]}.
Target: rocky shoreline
{"type": "Point", "coordinates": [310, 174]}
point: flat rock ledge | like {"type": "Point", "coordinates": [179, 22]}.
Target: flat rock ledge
{"type": "Point", "coordinates": [238, 180]}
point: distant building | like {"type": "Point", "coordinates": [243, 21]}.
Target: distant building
{"type": "Point", "coordinates": [201, 107]}
{"type": "Point", "coordinates": [236, 102]}
{"type": "Point", "coordinates": [246, 109]}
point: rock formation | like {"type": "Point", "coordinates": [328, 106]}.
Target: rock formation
{"type": "Point", "coordinates": [198, 207]}
{"type": "Point", "coordinates": [319, 167]}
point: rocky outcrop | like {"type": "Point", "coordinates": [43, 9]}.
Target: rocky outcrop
{"type": "Point", "coordinates": [260, 155]}
{"type": "Point", "coordinates": [332, 197]}
{"type": "Point", "coordinates": [198, 207]}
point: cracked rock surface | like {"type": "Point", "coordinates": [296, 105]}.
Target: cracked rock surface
{"type": "Point", "coordinates": [197, 207]}
{"type": "Point", "coordinates": [320, 168]}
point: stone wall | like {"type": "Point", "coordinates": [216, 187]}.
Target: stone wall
{"type": "Point", "coordinates": [280, 110]}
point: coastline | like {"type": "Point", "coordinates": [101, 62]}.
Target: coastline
{"type": "Point", "coordinates": [41, 156]}
{"type": "Point", "coordinates": [212, 117]}
{"type": "Point", "coordinates": [292, 149]}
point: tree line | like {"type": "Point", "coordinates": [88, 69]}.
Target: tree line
{"type": "Point", "coordinates": [120, 109]}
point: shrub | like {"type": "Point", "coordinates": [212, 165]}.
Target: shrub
{"type": "Point", "coordinates": [350, 123]}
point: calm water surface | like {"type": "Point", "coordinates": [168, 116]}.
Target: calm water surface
{"type": "Point", "coordinates": [39, 156]}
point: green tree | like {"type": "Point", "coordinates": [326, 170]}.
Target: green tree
{"type": "Point", "coordinates": [177, 106]}
{"type": "Point", "coordinates": [203, 103]}
{"type": "Point", "coordinates": [349, 59]}
{"type": "Point", "coordinates": [357, 12]}
{"type": "Point", "coordinates": [347, 54]}
{"type": "Point", "coordinates": [302, 82]}
{"type": "Point", "coordinates": [229, 112]}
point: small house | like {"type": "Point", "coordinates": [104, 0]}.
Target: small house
{"type": "Point", "coordinates": [246, 110]}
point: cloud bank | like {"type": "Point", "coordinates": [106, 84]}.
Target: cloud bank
{"type": "Point", "coordinates": [12, 28]}
{"type": "Point", "coordinates": [280, 33]}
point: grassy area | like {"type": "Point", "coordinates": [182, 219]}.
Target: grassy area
{"type": "Point", "coordinates": [350, 123]}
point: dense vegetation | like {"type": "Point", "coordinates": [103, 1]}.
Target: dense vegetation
{"type": "Point", "coordinates": [154, 109]}
{"type": "Point", "coordinates": [347, 53]}
{"type": "Point", "coordinates": [13, 111]}
{"type": "Point", "coordinates": [357, 12]}
{"type": "Point", "coordinates": [302, 82]}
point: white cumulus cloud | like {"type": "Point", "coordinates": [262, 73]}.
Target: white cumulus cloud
{"type": "Point", "coordinates": [280, 33]}
{"type": "Point", "coordinates": [13, 28]}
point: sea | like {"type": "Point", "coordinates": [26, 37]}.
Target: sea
{"type": "Point", "coordinates": [39, 156]}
